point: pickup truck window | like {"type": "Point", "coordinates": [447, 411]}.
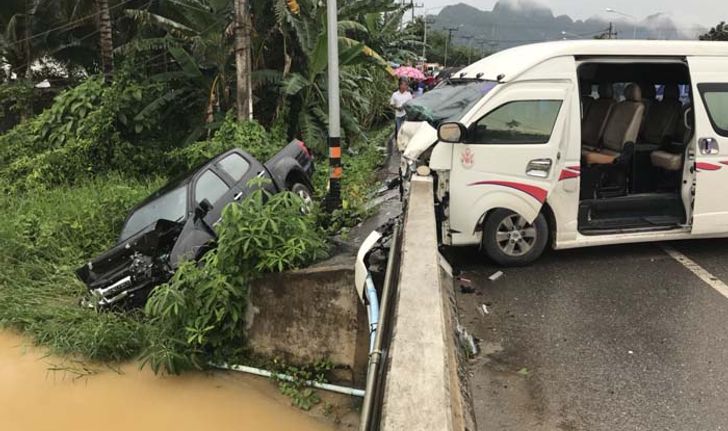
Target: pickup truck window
{"type": "Point", "coordinates": [209, 186]}
{"type": "Point", "coordinates": [520, 122]}
{"type": "Point", "coordinates": [235, 166]}
{"type": "Point", "coordinates": [715, 97]}
{"type": "Point", "coordinates": [169, 206]}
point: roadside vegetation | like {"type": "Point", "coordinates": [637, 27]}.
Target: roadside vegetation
{"type": "Point", "coordinates": [76, 156]}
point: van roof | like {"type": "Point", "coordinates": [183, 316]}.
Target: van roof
{"type": "Point", "coordinates": [512, 62]}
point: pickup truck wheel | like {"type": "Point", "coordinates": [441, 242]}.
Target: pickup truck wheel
{"type": "Point", "coordinates": [510, 241]}
{"type": "Point", "coordinates": [304, 193]}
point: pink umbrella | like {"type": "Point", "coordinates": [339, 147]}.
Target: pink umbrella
{"type": "Point", "coordinates": [409, 72]}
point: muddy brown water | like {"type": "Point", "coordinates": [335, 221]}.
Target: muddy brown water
{"type": "Point", "coordinates": [80, 397]}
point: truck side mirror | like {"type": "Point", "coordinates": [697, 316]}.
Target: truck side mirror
{"type": "Point", "coordinates": [452, 133]}
{"type": "Point", "coordinates": [202, 209]}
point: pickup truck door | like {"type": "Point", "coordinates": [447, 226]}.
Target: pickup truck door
{"type": "Point", "coordinates": [512, 155]}
{"type": "Point", "coordinates": [709, 147]}
{"type": "Point", "coordinates": [240, 170]}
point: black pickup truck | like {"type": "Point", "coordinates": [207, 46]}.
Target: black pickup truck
{"type": "Point", "coordinates": [177, 222]}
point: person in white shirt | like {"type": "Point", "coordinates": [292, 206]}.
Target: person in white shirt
{"type": "Point", "coordinates": [397, 101]}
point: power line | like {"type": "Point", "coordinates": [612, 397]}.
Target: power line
{"type": "Point", "coordinates": [67, 25]}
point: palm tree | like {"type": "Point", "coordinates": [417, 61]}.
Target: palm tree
{"type": "Point", "coordinates": [106, 44]}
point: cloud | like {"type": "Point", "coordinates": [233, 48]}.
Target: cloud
{"type": "Point", "coordinates": [524, 4]}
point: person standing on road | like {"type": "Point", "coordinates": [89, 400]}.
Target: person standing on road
{"type": "Point", "coordinates": [397, 101]}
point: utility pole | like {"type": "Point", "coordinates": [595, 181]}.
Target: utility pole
{"type": "Point", "coordinates": [243, 99]}
{"type": "Point", "coordinates": [333, 198]}
{"type": "Point", "coordinates": [425, 21]}
{"type": "Point", "coordinates": [414, 6]}
{"type": "Point", "coordinates": [106, 44]}
{"type": "Point", "coordinates": [450, 31]}
{"type": "Point", "coordinates": [470, 46]}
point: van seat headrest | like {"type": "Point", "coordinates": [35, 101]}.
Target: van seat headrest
{"type": "Point", "coordinates": [633, 93]}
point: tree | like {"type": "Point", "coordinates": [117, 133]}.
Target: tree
{"type": "Point", "coordinates": [719, 32]}
{"type": "Point", "coordinates": [106, 44]}
{"type": "Point", "coordinates": [243, 68]}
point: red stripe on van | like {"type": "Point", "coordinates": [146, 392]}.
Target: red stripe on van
{"type": "Point", "coordinates": [567, 175]}
{"type": "Point", "coordinates": [724, 162]}
{"type": "Point", "coordinates": [702, 166]}
{"type": "Point", "coordinates": [535, 192]}
{"type": "Point", "coordinates": [574, 168]}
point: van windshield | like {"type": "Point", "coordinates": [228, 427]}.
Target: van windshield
{"type": "Point", "coordinates": [449, 100]}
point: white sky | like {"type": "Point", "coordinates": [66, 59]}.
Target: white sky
{"type": "Point", "coordinates": [684, 12]}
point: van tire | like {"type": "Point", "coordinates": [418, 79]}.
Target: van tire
{"type": "Point", "coordinates": [508, 242]}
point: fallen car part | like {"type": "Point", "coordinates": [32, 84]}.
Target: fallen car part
{"type": "Point", "coordinates": [265, 373]}
{"type": "Point", "coordinates": [376, 354]}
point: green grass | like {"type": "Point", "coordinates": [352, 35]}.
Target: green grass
{"type": "Point", "coordinates": [44, 236]}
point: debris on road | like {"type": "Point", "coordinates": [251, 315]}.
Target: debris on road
{"type": "Point", "coordinates": [466, 289]}
{"type": "Point", "coordinates": [523, 371]}
{"type": "Point", "coordinates": [495, 276]}
{"type": "Point", "coordinates": [467, 342]}
{"type": "Point", "coordinates": [483, 310]}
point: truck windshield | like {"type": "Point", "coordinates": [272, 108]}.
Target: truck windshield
{"type": "Point", "coordinates": [168, 206]}
{"type": "Point", "coordinates": [447, 101]}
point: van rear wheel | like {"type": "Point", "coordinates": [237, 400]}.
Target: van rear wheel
{"type": "Point", "coordinates": [509, 240]}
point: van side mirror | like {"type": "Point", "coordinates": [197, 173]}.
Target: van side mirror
{"type": "Point", "coordinates": [452, 133]}
{"type": "Point", "coordinates": [202, 209]}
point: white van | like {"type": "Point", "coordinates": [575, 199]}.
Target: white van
{"type": "Point", "coordinates": [579, 143]}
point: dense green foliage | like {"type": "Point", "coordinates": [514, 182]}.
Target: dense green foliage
{"type": "Point", "coordinates": [44, 237]}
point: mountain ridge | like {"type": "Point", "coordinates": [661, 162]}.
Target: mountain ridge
{"type": "Point", "coordinates": [516, 22]}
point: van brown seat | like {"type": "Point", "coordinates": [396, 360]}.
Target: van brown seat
{"type": "Point", "coordinates": [670, 156]}
{"type": "Point", "coordinates": [663, 117]}
{"type": "Point", "coordinates": [595, 118]}
{"type": "Point", "coordinates": [623, 126]}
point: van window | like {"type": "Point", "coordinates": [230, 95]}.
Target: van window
{"type": "Point", "coordinates": [715, 98]}
{"type": "Point", "coordinates": [521, 122]}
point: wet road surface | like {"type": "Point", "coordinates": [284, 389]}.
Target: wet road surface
{"type": "Point", "coordinates": [608, 338]}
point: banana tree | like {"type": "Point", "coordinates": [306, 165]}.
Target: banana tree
{"type": "Point", "coordinates": [305, 86]}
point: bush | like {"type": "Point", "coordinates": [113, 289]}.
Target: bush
{"type": "Point", "coordinates": [199, 315]}
{"type": "Point", "coordinates": [358, 183]}
{"type": "Point", "coordinates": [249, 136]}
{"type": "Point", "coordinates": [90, 129]}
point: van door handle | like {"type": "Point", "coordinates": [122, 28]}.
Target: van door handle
{"type": "Point", "coordinates": [539, 168]}
{"type": "Point", "coordinates": [708, 146]}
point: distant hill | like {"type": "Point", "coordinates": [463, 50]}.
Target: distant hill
{"type": "Point", "coordinates": [517, 22]}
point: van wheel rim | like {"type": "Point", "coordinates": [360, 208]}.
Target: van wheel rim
{"type": "Point", "coordinates": [514, 236]}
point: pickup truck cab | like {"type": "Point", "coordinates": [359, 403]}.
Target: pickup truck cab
{"type": "Point", "coordinates": [582, 143]}
{"type": "Point", "coordinates": [177, 222]}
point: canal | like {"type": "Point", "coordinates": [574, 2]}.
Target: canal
{"type": "Point", "coordinates": [41, 392]}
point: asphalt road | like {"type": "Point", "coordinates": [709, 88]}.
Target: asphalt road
{"type": "Point", "coordinates": [609, 338]}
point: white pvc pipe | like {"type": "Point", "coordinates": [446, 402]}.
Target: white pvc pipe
{"type": "Point", "coordinates": [265, 373]}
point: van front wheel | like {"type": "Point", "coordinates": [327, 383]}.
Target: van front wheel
{"type": "Point", "coordinates": [511, 241]}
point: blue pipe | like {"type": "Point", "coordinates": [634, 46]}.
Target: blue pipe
{"type": "Point", "coordinates": [373, 309]}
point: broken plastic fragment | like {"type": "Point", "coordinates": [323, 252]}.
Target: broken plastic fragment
{"type": "Point", "coordinates": [495, 276]}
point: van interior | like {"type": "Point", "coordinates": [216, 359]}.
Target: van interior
{"type": "Point", "coordinates": [636, 125]}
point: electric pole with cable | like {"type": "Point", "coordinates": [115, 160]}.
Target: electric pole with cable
{"type": "Point", "coordinates": [450, 31]}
